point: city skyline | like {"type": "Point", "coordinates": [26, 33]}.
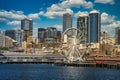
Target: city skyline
{"type": "Point", "coordinates": [49, 13]}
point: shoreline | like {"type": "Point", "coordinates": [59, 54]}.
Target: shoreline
{"type": "Point", "coordinates": [107, 66]}
{"type": "Point", "coordinates": [58, 60]}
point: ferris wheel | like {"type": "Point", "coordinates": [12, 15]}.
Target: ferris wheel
{"type": "Point", "coordinates": [73, 44]}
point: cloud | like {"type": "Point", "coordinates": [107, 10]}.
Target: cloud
{"type": "Point", "coordinates": [35, 15]}
{"type": "Point", "coordinates": [80, 13]}
{"type": "Point", "coordinates": [88, 5]}
{"type": "Point", "coordinates": [3, 20]}
{"type": "Point", "coordinates": [65, 6]}
{"type": "Point", "coordinates": [105, 1]}
{"type": "Point", "coordinates": [41, 13]}
{"type": "Point", "coordinates": [76, 3]}
{"type": "Point", "coordinates": [13, 17]}
{"type": "Point", "coordinates": [17, 15]}
{"type": "Point", "coordinates": [109, 23]}
{"type": "Point", "coordinates": [14, 23]}
{"type": "Point", "coordinates": [106, 18]}
{"type": "Point", "coordinates": [109, 20]}
{"type": "Point", "coordinates": [57, 13]}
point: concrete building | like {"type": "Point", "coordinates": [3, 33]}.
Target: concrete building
{"type": "Point", "coordinates": [27, 26]}
{"type": "Point", "coordinates": [2, 40]}
{"type": "Point", "coordinates": [67, 21]}
{"type": "Point", "coordinates": [65, 39]}
{"type": "Point", "coordinates": [104, 37]}
{"type": "Point", "coordinates": [94, 27]}
{"type": "Point", "coordinates": [83, 25]}
{"type": "Point", "coordinates": [117, 35]}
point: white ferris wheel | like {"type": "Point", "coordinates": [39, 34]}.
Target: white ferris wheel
{"type": "Point", "coordinates": [73, 44]}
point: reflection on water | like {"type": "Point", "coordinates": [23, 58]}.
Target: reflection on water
{"type": "Point", "coordinates": [51, 72]}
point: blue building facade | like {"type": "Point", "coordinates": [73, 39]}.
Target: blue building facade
{"type": "Point", "coordinates": [94, 27]}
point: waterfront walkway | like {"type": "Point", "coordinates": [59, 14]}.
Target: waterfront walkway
{"type": "Point", "coordinates": [56, 59]}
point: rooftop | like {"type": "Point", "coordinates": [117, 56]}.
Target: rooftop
{"type": "Point", "coordinates": [94, 11]}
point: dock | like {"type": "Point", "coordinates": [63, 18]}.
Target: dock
{"type": "Point", "coordinates": [56, 60]}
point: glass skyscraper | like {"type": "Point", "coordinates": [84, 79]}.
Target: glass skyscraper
{"type": "Point", "coordinates": [67, 21]}
{"type": "Point", "coordinates": [82, 25]}
{"type": "Point", "coordinates": [94, 27]}
{"type": "Point", "coordinates": [27, 26]}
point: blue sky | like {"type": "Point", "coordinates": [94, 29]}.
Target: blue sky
{"type": "Point", "coordinates": [48, 13]}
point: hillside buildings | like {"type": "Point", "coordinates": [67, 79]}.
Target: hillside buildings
{"type": "Point", "coordinates": [49, 34]}
{"type": "Point", "coordinates": [16, 35]}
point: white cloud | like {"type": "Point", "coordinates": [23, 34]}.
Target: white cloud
{"type": "Point", "coordinates": [76, 3]}
{"type": "Point", "coordinates": [33, 16]}
{"type": "Point", "coordinates": [41, 13]}
{"type": "Point", "coordinates": [80, 13]}
{"type": "Point", "coordinates": [106, 18]}
{"type": "Point", "coordinates": [3, 20]}
{"type": "Point", "coordinates": [65, 7]}
{"type": "Point", "coordinates": [14, 17]}
{"type": "Point", "coordinates": [113, 24]}
{"type": "Point", "coordinates": [109, 23]}
{"type": "Point", "coordinates": [14, 23]}
{"type": "Point", "coordinates": [109, 20]}
{"type": "Point", "coordinates": [17, 15]}
{"type": "Point", "coordinates": [88, 5]}
{"type": "Point", "coordinates": [57, 13]}
{"type": "Point", "coordinates": [59, 27]}
{"type": "Point", "coordinates": [105, 1]}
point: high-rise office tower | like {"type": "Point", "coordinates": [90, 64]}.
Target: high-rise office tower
{"type": "Point", "coordinates": [82, 25]}
{"type": "Point", "coordinates": [94, 27]}
{"type": "Point", "coordinates": [117, 35]}
{"type": "Point", "coordinates": [27, 26]}
{"type": "Point", "coordinates": [67, 21]}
